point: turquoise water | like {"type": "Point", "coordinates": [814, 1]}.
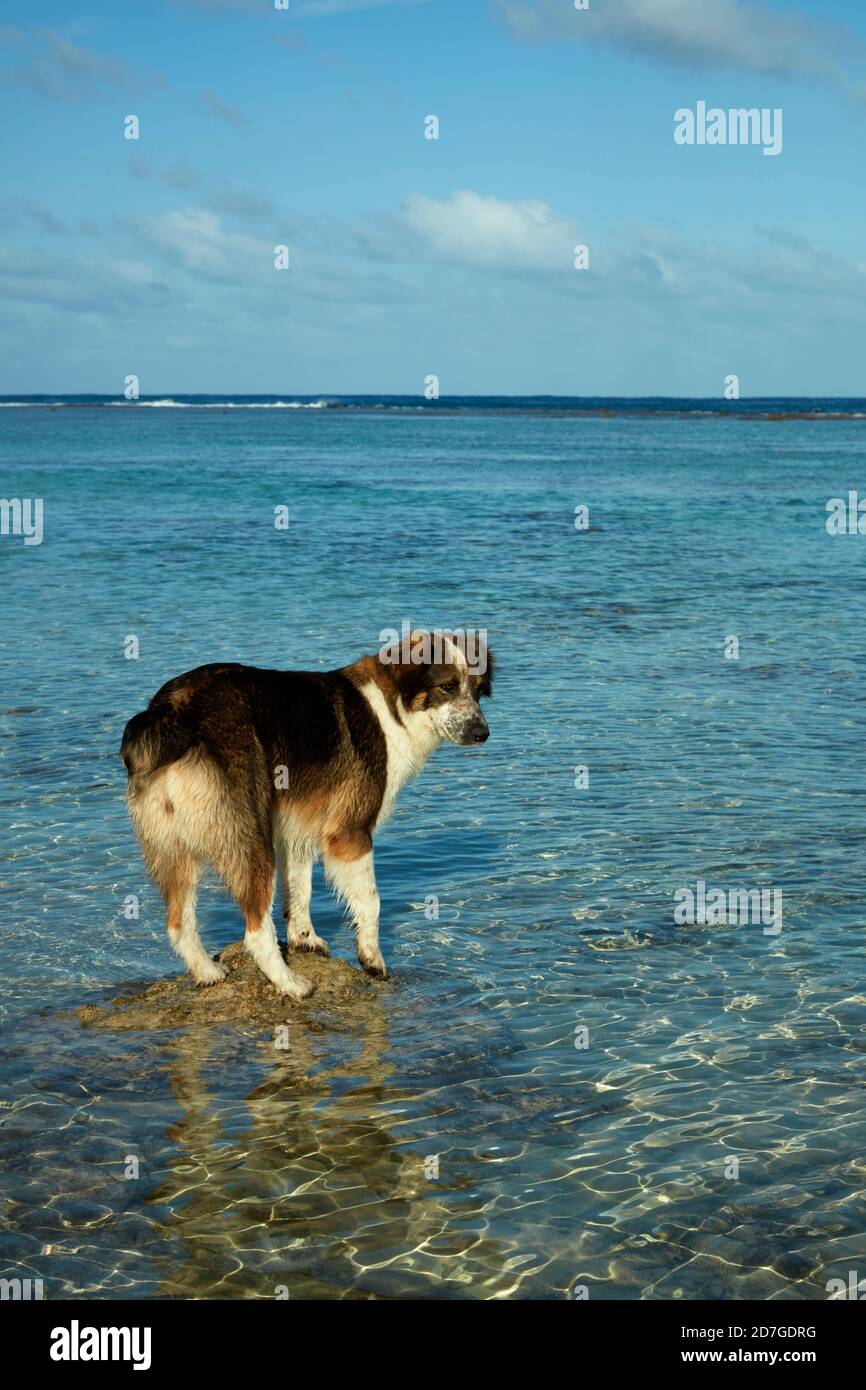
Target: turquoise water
{"type": "Point", "coordinates": [607, 1166]}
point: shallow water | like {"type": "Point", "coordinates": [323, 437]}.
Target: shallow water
{"type": "Point", "coordinates": [309, 1169]}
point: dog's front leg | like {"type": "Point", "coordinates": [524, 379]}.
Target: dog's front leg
{"type": "Point", "coordinates": [348, 863]}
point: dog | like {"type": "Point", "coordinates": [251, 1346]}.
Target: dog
{"type": "Point", "coordinates": [250, 771]}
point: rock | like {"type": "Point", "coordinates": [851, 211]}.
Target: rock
{"type": "Point", "coordinates": [243, 996]}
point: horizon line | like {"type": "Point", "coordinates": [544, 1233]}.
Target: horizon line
{"type": "Point", "coordinates": [432, 403]}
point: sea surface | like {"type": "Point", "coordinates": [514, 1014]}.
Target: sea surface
{"type": "Point", "coordinates": [560, 1092]}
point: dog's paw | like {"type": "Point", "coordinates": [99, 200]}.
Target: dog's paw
{"type": "Point", "coordinates": [210, 974]}
{"type": "Point", "coordinates": [373, 963]}
{"type": "Point", "coordinates": [308, 941]}
{"type": "Point", "coordinates": [293, 986]}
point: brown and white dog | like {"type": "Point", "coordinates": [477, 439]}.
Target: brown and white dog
{"type": "Point", "coordinates": [250, 770]}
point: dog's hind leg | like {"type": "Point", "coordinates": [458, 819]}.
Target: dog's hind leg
{"type": "Point", "coordinates": [348, 860]}
{"type": "Point", "coordinates": [296, 872]}
{"type": "Point", "coordinates": [161, 815]}
{"type": "Point", "coordinates": [255, 894]}
{"type": "Point", "coordinates": [178, 878]}
{"type": "Point", "coordinates": [240, 848]}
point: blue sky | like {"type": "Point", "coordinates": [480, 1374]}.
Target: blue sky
{"type": "Point", "coordinates": [409, 256]}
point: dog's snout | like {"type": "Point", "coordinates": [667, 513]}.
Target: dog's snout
{"type": "Point", "coordinates": [479, 732]}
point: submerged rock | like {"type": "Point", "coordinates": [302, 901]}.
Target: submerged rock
{"type": "Point", "coordinates": [243, 996]}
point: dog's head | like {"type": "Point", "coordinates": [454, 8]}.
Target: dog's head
{"type": "Point", "coordinates": [440, 677]}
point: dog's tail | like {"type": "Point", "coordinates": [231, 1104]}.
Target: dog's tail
{"type": "Point", "coordinates": [157, 736]}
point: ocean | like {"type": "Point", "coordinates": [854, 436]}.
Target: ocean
{"type": "Point", "coordinates": [563, 1090]}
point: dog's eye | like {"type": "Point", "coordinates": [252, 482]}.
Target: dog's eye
{"type": "Point", "coordinates": [450, 687]}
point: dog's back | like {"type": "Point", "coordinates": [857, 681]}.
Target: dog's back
{"type": "Point", "coordinates": [222, 708]}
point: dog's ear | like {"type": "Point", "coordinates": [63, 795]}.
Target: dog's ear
{"type": "Point", "coordinates": [488, 663]}
{"type": "Point", "coordinates": [473, 646]}
{"type": "Point", "coordinates": [412, 681]}
{"type": "Point", "coordinates": [414, 676]}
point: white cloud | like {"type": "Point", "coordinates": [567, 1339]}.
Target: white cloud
{"type": "Point", "coordinates": [698, 34]}
{"type": "Point", "coordinates": [656, 311]}
{"type": "Point", "coordinates": [487, 232]}
{"type": "Point", "coordinates": [107, 286]}
{"type": "Point", "coordinates": [645, 264]}
{"type": "Point", "coordinates": [196, 239]}
{"type": "Point", "coordinates": [63, 71]}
